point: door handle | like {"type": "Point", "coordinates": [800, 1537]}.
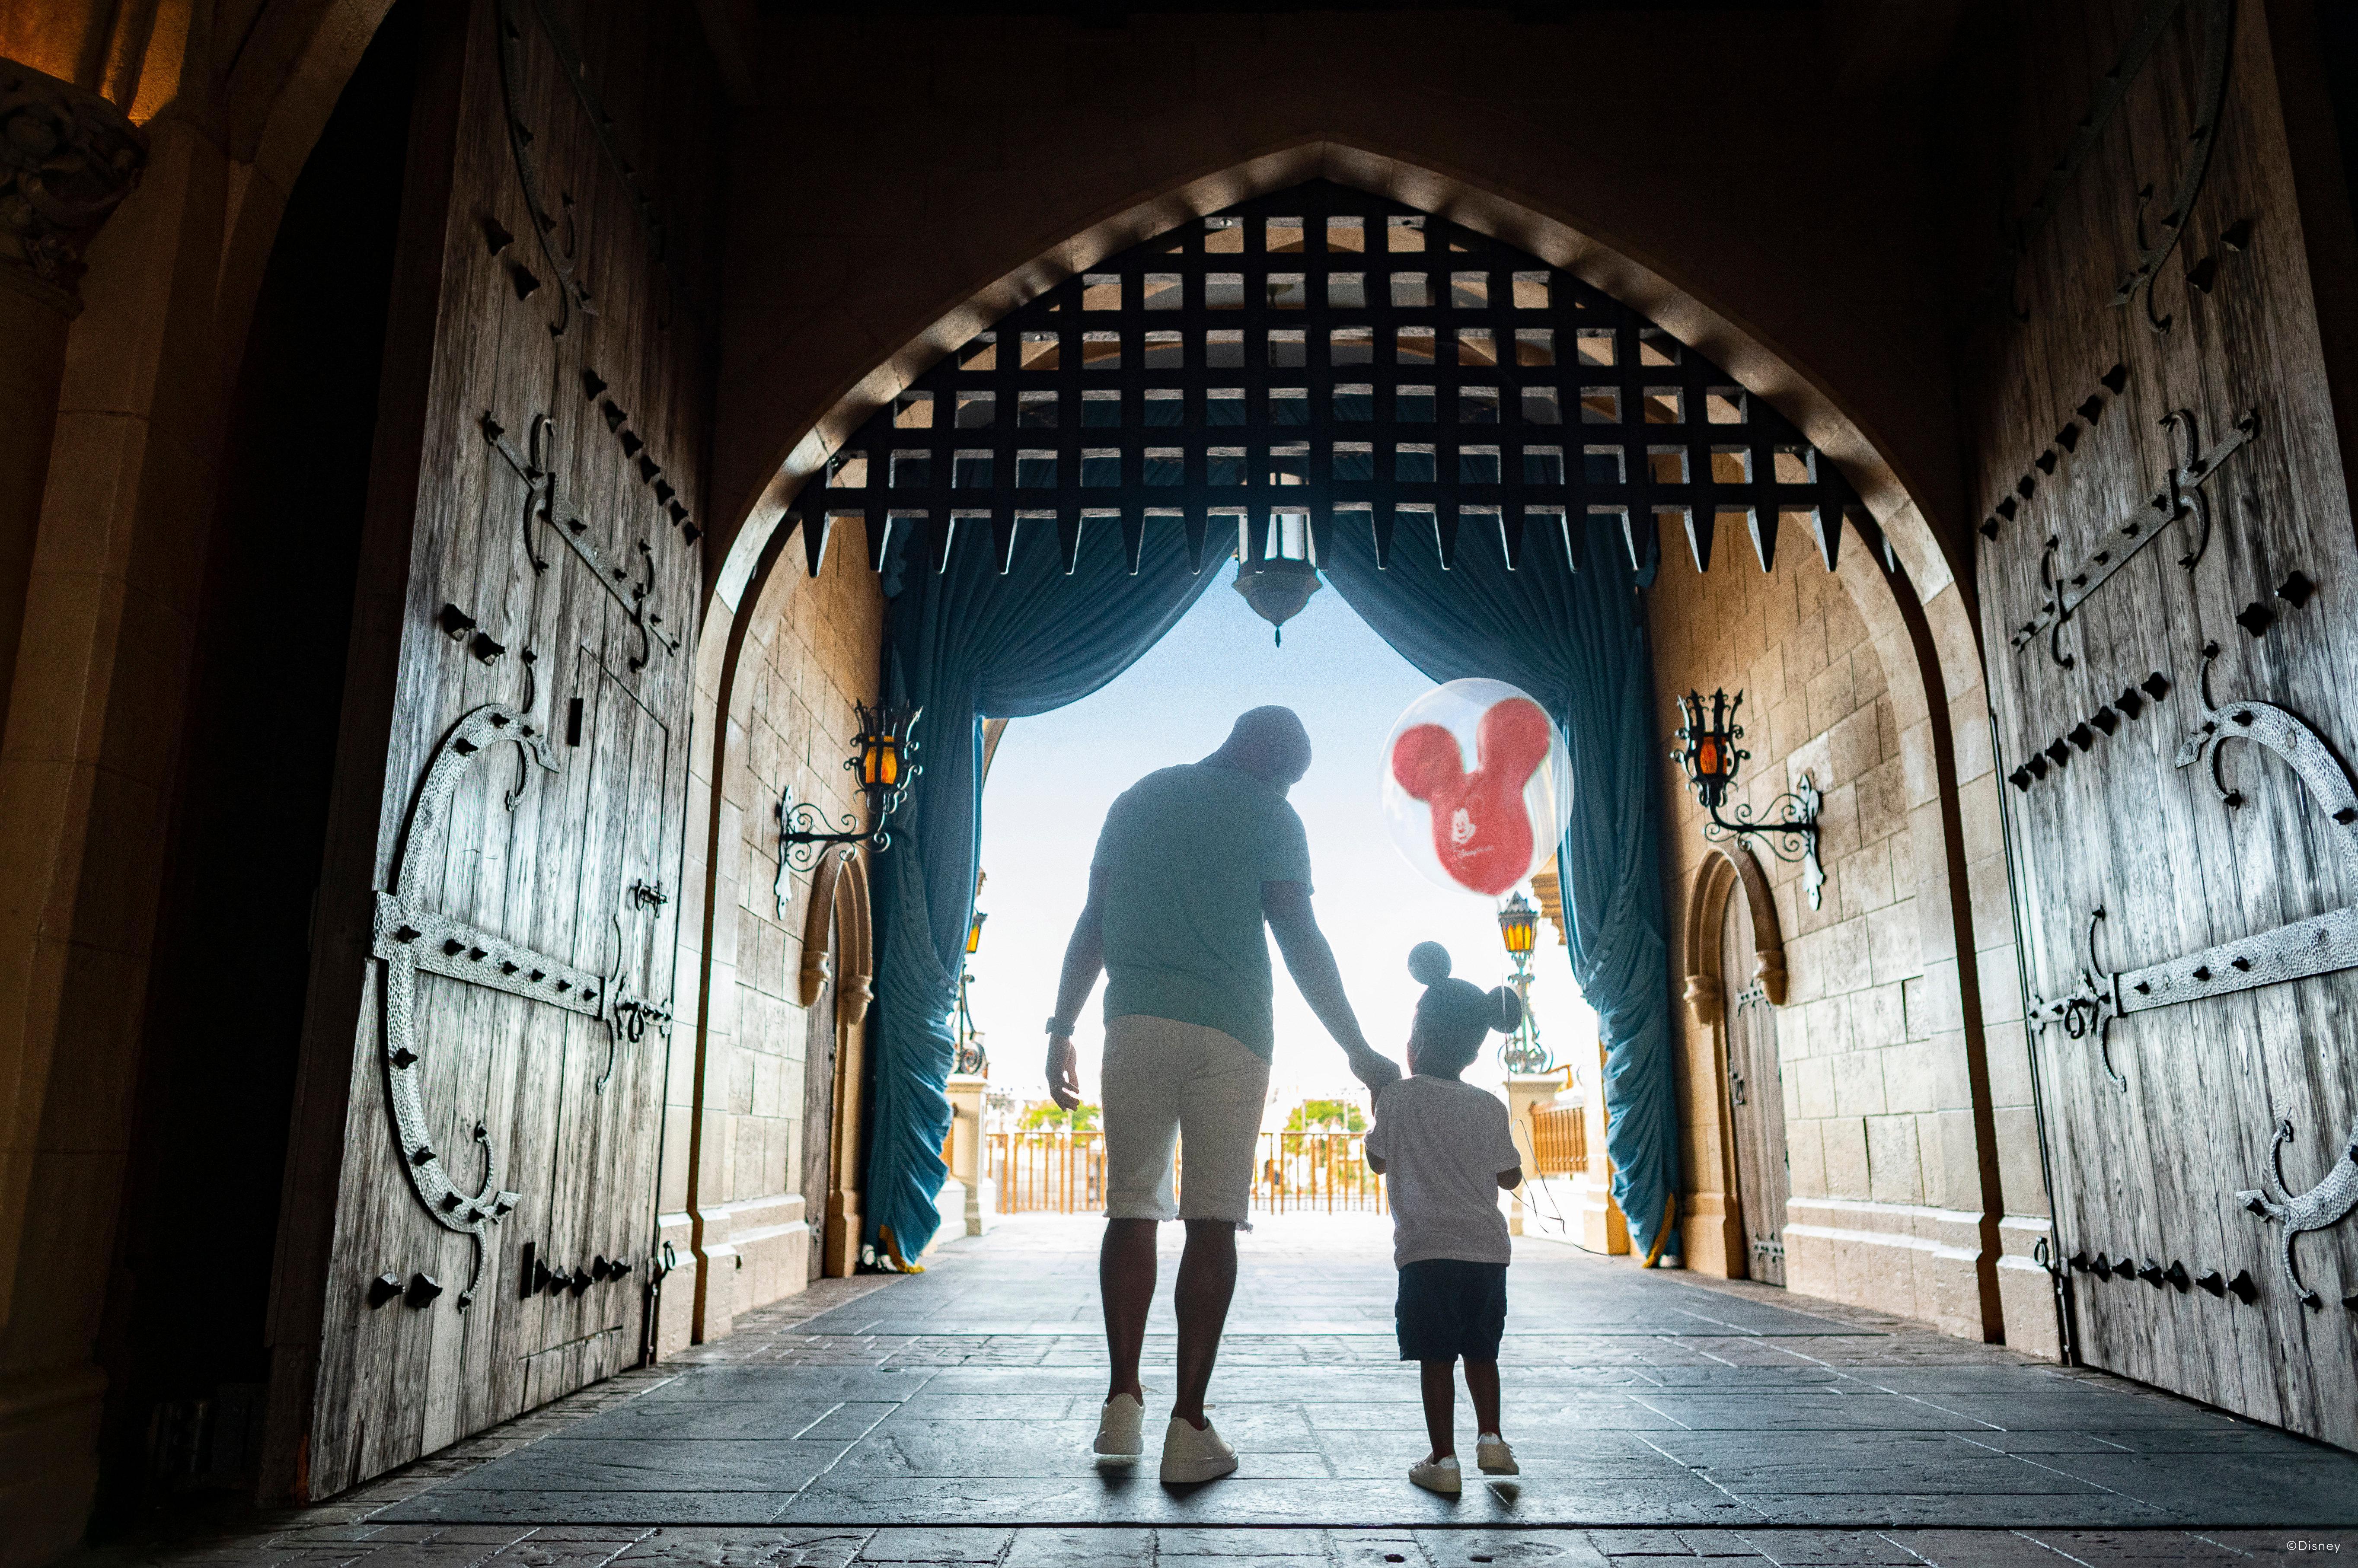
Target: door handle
{"type": "Point", "coordinates": [1735, 1086]}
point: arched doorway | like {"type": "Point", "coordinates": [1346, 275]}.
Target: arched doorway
{"type": "Point", "coordinates": [187, 1347]}
{"type": "Point", "coordinates": [1756, 1093]}
{"type": "Point", "coordinates": [835, 988]}
{"type": "Point", "coordinates": [1313, 380]}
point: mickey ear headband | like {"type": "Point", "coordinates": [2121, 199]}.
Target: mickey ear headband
{"type": "Point", "coordinates": [1428, 964]}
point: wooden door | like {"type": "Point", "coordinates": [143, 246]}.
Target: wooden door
{"type": "Point", "coordinates": [1756, 1095]}
{"type": "Point", "coordinates": [818, 1102]}
{"type": "Point", "coordinates": [2165, 570]}
{"type": "Point", "coordinates": [472, 1203]}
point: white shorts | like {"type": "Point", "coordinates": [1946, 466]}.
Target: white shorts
{"type": "Point", "coordinates": [1164, 1082]}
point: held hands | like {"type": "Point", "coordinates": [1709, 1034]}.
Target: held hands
{"type": "Point", "coordinates": [1063, 1072]}
{"type": "Point", "coordinates": [1376, 1071]}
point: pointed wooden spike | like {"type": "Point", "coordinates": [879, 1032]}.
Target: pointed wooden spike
{"type": "Point", "coordinates": [1571, 541]}
{"type": "Point", "coordinates": [1510, 538]}
{"type": "Point", "coordinates": [1068, 541]}
{"type": "Point", "coordinates": [1385, 521]}
{"type": "Point", "coordinates": [1764, 537]}
{"type": "Point", "coordinates": [1133, 539]}
{"type": "Point", "coordinates": [1701, 524]}
{"type": "Point", "coordinates": [880, 539]}
{"type": "Point", "coordinates": [1640, 550]}
{"type": "Point", "coordinates": [1194, 523]}
{"type": "Point", "coordinates": [1002, 539]}
{"type": "Point", "coordinates": [944, 532]}
{"type": "Point", "coordinates": [1444, 535]}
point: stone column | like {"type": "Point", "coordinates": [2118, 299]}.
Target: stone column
{"type": "Point", "coordinates": [67, 157]}
{"type": "Point", "coordinates": [1526, 1092]}
{"type": "Point", "coordinates": [1602, 1229]}
{"type": "Point", "coordinates": [966, 1152]}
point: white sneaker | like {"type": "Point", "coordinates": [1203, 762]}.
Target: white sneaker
{"type": "Point", "coordinates": [1122, 1431]}
{"type": "Point", "coordinates": [1440, 1476]}
{"type": "Point", "coordinates": [1189, 1455]}
{"type": "Point", "coordinates": [1492, 1453]}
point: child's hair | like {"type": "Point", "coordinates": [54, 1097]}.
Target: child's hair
{"type": "Point", "coordinates": [1453, 1016]}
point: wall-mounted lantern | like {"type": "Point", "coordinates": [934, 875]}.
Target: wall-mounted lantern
{"type": "Point", "coordinates": [1518, 928]}
{"type": "Point", "coordinates": [884, 759]}
{"type": "Point", "coordinates": [1708, 754]}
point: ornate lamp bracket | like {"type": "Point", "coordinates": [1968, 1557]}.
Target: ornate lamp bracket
{"type": "Point", "coordinates": [1789, 830]}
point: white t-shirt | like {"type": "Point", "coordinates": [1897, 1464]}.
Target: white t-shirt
{"type": "Point", "coordinates": [1442, 1144]}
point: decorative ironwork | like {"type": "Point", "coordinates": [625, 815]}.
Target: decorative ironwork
{"type": "Point", "coordinates": [1327, 356]}
{"type": "Point", "coordinates": [410, 938]}
{"type": "Point", "coordinates": [885, 764]}
{"type": "Point", "coordinates": [2321, 945]}
{"type": "Point", "coordinates": [1708, 755]}
{"type": "Point", "coordinates": [2181, 493]}
{"type": "Point", "coordinates": [67, 157]}
{"type": "Point", "coordinates": [2219, 36]}
{"type": "Point", "coordinates": [542, 502]}
{"type": "Point", "coordinates": [2326, 1204]}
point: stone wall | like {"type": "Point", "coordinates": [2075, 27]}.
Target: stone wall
{"type": "Point", "coordinates": [1885, 1208]}
{"type": "Point", "coordinates": [734, 1136]}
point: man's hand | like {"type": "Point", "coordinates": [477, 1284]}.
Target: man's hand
{"type": "Point", "coordinates": [1374, 1069]}
{"type": "Point", "coordinates": [1063, 1072]}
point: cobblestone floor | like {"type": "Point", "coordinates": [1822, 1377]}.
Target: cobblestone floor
{"type": "Point", "coordinates": [946, 1418]}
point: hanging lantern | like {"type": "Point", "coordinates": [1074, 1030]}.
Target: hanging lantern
{"type": "Point", "coordinates": [1707, 749]}
{"type": "Point", "coordinates": [1276, 568]}
{"type": "Point", "coordinates": [974, 932]}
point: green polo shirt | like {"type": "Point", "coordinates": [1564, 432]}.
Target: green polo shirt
{"type": "Point", "coordinates": [1185, 851]}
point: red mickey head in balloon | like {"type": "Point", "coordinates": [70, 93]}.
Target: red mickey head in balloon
{"type": "Point", "coordinates": [1481, 831]}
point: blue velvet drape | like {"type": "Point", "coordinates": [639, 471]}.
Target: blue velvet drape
{"type": "Point", "coordinates": [1574, 642]}
{"type": "Point", "coordinates": [965, 644]}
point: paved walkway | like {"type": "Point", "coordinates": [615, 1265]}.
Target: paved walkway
{"type": "Point", "coordinates": [946, 1418]}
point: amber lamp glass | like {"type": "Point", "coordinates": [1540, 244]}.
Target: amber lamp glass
{"type": "Point", "coordinates": [974, 932]}
{"type": "Point", "coordinates": [885, 748]}
{"type": "Point", "coordinates": [1707, 749]}
{"type": "Point", "coordinates": [1519, 924]}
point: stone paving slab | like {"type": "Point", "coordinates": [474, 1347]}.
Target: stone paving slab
{"type": "Point", "coordinates": [1728, 1428]}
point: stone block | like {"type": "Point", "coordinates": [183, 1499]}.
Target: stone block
{"type": "Point", "coordinates": [1805, 1157]}
{"type": "Point", "coordinates": [1858, 1084]}
{"type": "Point", "coordinates": [1894, 952]}
{"type": "Point", "coordinates": [1847, 1169]}
{"type": "Point", "coordinates": [2020, 1177]}
{"type": "Point", "coordinates": [1813, 1085]}
{"type": "Point", "coordinates": [1950, 1160]}
{"type": "Point", "coordinates": [1832, 697]}
{"type": "Point", "coordinates": [1854, 747]}
{"type": "Point", "coordinates": [1895, 1160]}
{"type": "Point", "coordinates": [1882, 801]}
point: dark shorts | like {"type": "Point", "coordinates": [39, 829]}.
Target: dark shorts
{"type": "Point", "coordinates": [1449, 1308]}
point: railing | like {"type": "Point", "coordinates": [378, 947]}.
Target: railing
{"type": "Point", "coordinates": [1294, 1172]}
{"type": "Point", "coordinates": [1048, 1172]}
{"type": "Point", "coordinates": [1559, 1140]}
{"type": "Point", "coordinates": [1322, 1171]}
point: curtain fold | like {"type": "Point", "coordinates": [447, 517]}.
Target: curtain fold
{"type": "Point", "coordinates": [965, 644]}
{"type": "Point", "coordinates": [1573, 641]}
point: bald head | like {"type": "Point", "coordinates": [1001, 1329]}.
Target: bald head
{"type": "Point", "coordinates": [1270, 744]}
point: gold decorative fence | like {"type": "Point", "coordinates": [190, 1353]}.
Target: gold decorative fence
{"type": "Point", "coordinates": [1559, 1140]}
{"type": "Point", "coordinates": [1294, 1172]}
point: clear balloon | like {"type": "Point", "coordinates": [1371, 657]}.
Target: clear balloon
{"type": "Point", "coordinates": [1476, 785]}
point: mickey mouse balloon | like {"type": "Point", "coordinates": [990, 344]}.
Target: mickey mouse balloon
{"type": "Point", "coordinates": [1476, 785]}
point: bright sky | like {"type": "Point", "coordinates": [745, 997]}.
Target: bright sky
{"type": "Point", "coordinates": [1055, 777]}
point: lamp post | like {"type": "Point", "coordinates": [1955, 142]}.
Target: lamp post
{"type": "Point", "coordinates": [971, 1060]}
{"type": "Point", "coordinates": [1518, 927]}
{"type": "Point", "coordinates": [1708, 754]}
{"type": "Point", "coordinates": [884, 761]}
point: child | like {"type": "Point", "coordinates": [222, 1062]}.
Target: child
{"type": "Point", "coordinates": [1444, 1151]}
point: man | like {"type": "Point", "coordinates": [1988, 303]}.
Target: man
{"type": "Point", "coordinates": [1192, 861]}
